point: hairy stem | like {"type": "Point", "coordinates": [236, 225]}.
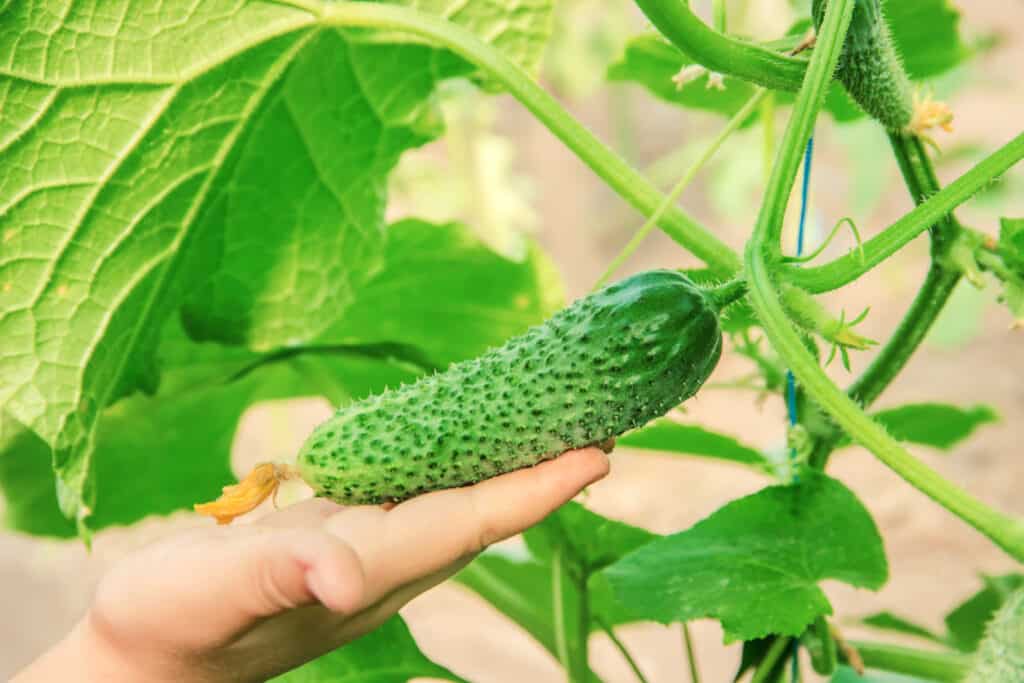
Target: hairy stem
{"type": "Point", "coordinates": [1005, 531]}
{"type": "Point", "coordinates": [929, 302]}
{"type": "Point", "coordinates": [616, 172]}
{"type": "Point", "coordinates": [721, 53]}
{"type": "Point", "coordinates": [672, 197]}
{"type": "Point", "coordinates": [948, 667]}
{"type": "Point", "coordinates": [850, 267]}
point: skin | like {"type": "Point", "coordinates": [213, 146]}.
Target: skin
{"type": "Point", "coordinates": [248, 602]}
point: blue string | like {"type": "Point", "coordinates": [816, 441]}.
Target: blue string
{"type": "Point", "coordinates": [790, 379]}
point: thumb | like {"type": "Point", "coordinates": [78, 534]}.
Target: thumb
{"type": "Point", "coordinates": [287, 568]}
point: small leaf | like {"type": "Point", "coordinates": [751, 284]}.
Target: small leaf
{"type": "Point", "coordinates": [755, 563]}
{"type": "Point", "coordinates": [887, 621]}
{"type": "Point", "coordinates": [966, 623]}
{"type": "Point", "coordinates": [938, 425]}
{"type": "Point", "coordinates": [388, 654]}
{"type": "Point", "coordinates": [672, 437]}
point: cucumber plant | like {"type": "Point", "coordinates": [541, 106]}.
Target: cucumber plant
{"type": "Point", "coordinates": [192, 221]}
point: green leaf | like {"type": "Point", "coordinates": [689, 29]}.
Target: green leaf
{"type": "Point", "coordinates": [938, 425]}
{"type": "Point", "coordinates": [672, 437]}
{"type": "Point", "coordinates": [592, 541]}
{"type": "Point", "coordinates": [927, 35]}
{"type": "Point", "coordinates": [1011, 243]}
{"type": "Point", "coordinates": [966, 623]}
{"type": "Point", "coordinates": [755, 563]}
{"type": "Point", "coordinates": [445, 292]}
{"type": "Point", "coordinates": [229, 154]}
{"type": "Point", "coordinates": [887, 621]}
{"type": "Point", "coordinates": [388, 654]}
{"type": "Point", "coordinates": [176, 444]}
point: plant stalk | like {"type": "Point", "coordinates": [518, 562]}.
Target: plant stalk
{"type": "Point", "coordinates": [583, 629]}
{"type": "Point", "coordinates": [621, 647]}
{"type": "Point", "coordinates": [734, 123]}
{"type": "Point", "coordinates": [1005, 531]}
{"type": "Point", "coordinates": [947, 667]}
{"type": "Point", "coordinates": [691, 655]}
{"type": "Point", "coordinates": [771, 658]}
{"type": "Point", "coordinates": [609, 166]}
{"type": "Point", "coordinates": [721, 53]}
{"type": "Point", "coordinates": [850, 267]}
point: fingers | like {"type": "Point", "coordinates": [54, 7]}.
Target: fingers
{"type": "Point", "coordinates": [426, 534]}
{"type": "Point", "coordinates": [308, 513]}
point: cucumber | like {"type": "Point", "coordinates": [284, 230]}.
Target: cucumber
{"type": "Point", "coordinates": [1000, 656]}
{"type": "Point", "coordinates": [608, 363]}
{"type": "Point", "coordinates": [870, 68]}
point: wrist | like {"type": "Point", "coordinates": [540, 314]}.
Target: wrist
{"type": "Point", "coordinates": [87, 655]}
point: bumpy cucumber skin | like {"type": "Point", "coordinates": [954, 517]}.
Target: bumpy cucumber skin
{"type": "Point", "coordinates": [870, 68]}
{"type": "Point", "coordinates": [608, 363]}
{"type": "Point", "coordinates": [1000, 657]}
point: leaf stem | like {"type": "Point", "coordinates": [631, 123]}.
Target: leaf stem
{"type": "Point", "coordinates": [672, 197]}
{"type": "Point", "coordinates": [558, 609]}
{"type": "Point", "coordinates": [929, 302]}
{"type": "Point", "coordinates": [617, 173]}
{"type": "Point", "coordinates": [621, 647]}
{"type": "Point", "coordinates": [850, 267]}
{"type": "Point", "coordinates": [721, 53]}
{"type": "Point", "coordinates": [771, 658]}
{"type": "Point", "coordinates": [691, 655]}
{"type": "Point", "coordinates": [946, 667]}
{"type": "Point", "coordinates": [583, 628]}
{"type": "Point", "coordinates": [1005, 531]}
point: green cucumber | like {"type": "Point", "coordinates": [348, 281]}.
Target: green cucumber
{"type": "Point", "coordinates": [608, 363]}
{"type": "Point", "coordinates": [1000, 656]}
{"type": "Point", "coordinates": [870, 68]}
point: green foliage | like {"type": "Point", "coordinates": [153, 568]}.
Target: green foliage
{"type": "Point", "coordinates": [755, 563]}
{"type": "Point", "coordinates": [187, 131]}
{"type": "Point", "coordinates": [966, 623]}
{"type": "Point", "coordinates": [386, 655]}
{"type": "Point", "coordinates": [887, 621]}
{"type": "Point", "coordinates": [523, 587]}
{"type": "Point", "coordinates": [1000, 655]}
{"type": "Point", "coordinates": [845, 674]}
{"type": "Point", "coordinates": [938, 425]}
{"type": "Point", "coordinates": [665, 435]}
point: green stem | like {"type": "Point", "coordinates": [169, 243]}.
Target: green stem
{"type": "Point", "coordinates": [691, 655]}
{"type": "Point", "coordinates": [721, 53]}
{"type": "Point", "coordinates": [558, 610]}
{"type": "Point", "coordinates": [771, 658]}
{"type": "Point", "coordinates": [1005, 531]}
{"type": "Point", "coordinates": [618, 174]}
{"type": "Point", "coordinates": [948, 667]}
{"type": "Point", "coordinates": [728, 293]}
{"type": "Point", "coordinates": [719, 16]}
{"type": "Point", "coordinates": [621, 647]}
{"type": "Point", "coordinates": [929, 302]}
{"type": "Point", "coordinates": [734, 123]}
{"type": "Point", "coordinates": [583, 629]}
{"type": "Point", "coordinates": [850, 267]}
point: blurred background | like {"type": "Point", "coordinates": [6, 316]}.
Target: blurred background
{"type": "Point", "coordinates": [502, 173]}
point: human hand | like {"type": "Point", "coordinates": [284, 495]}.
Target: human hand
{"type": "Point", "coordinates": [245, 603]}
